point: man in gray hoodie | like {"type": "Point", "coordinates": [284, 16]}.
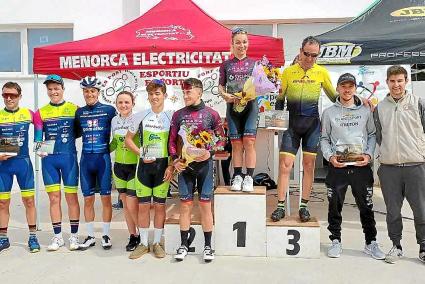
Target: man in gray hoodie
{"type": "Point", "coordinates": [400, 133]}
{"type": "Point", "coordinates": [348, 142]}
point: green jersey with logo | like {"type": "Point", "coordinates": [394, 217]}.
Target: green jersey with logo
{"type": "Point", "coordinates": [119, 127]}
{"type": "Point", "coordinates": [153, 129]}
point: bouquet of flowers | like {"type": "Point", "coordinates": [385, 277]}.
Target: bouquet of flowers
{"type": "Point", "coordinates": [264, 79]}
{"type": "Point", "coordinates": [197, 142]}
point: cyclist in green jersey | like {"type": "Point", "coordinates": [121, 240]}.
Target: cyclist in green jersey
{"type": "Point", "coordinates": [125, 164]}
{"type": "Point", "coordinates": [154, 171]}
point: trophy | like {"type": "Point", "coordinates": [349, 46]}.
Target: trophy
{"type": "Point", "coordinates": [9, 146]}
{"type": "Point", "coordinates": [349, 153]}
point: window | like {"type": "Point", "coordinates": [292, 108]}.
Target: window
{"type": "Point", "coordinates": [10, 52]}
{"type": "Point", "coordinates": [418, 72]}
{"type": "Point", "coordinates": [17, 46]}
{"type": "Point", "coordinates": [40, 37]}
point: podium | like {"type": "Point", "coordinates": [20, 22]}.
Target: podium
{"type": "Point", "coordinates": [240, 223]}
{"type": "Point", "coordinates": [242, 227]}
{"type": "Point", "coordinates": [290, 237]}
{"type": "Point", "coordinates": [172, 229]}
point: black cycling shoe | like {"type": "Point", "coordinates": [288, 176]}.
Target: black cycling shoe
{"type": "Point", "coordinates": [304, 214]}
{"type": "Point", "coordinates": [278, 214]}
{"type": "Point", "coordinates": [133, 242]}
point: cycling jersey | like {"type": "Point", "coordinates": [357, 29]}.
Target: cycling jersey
{"type": "Point", "coordinates": [234, 73]}
{"type": "Point", "coordinates": [94, 124]}
{"type": "Point", "coordinates": [153, 129]}
{"type": "Point", "coordinates": [119, 128]}
{"type": "Point", "coordinates": [302, 89]}
{"type": "Point", "coordinates": [201, 117]}
{"type": "Point", "coordinates": [58, 125]}
{"type": "Point", "coordinates": [15, 124]}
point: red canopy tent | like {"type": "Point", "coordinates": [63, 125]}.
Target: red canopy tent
{"type": "Point", "coordinates": [173, 34]}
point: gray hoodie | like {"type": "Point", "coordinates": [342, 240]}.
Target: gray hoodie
{"type": "Point", "coordinates": [342, 126]}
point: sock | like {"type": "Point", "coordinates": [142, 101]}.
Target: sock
{"type": "Point", "coordinates": [57, 228]}
{"type": "Point", "coordinates": [74, 226]}
{"type": "Point", "coordinates": [90, 229]}
{"type": "Point", "coordinates": [106, 227]}
{"type": "Point", "coordinates": [281, 204]}
{"type": "Point", "coordinates": [144, 234]}
{"type": "Point", "coordinates": [237, 171]}
{"type": "Point", "coordinates": [3, 232]}
{"type": "Point", "coordinates": [157, 234]}
{"type": "Point", "coordinates": [184, 238]}
{"type": "Point", "coordinates": [250, 171]}
{"type": "Point", "coordinates": [207, 236]}
{"type": "Point", "coordinates": [32, 229]}
{"type": "Point", "coordinates": [303, 203]}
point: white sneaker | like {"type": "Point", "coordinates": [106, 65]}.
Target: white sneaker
{"type": "Point", "coordinates": [106, 242]}
{"type": "Point", "coordinates": [208, 254]}
{"type": "Point", "coordinates": [181, 253]}
{"type": "Point", "coordinates": [56, 244]}
{"type": "Point", "coordinates": [248, 184]}
{"type": "Point", "coordinates": [88, 242]}
{"type": "Point", "coordinates": [74, 242]}
{"type": "Point", "coordinates": [237, 183]}
{"type": "Point", "coordinates": [335, 249]}
{"type": "Point", "coordinates": [373, 250]}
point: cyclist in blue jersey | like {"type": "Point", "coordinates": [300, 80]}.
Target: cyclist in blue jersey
{"type": "Point", "coordinates": [93, 122]}
{"type": "Point", "coordinates": [57, 118]}
{"type": "Point", "coordinates": [15, 161]}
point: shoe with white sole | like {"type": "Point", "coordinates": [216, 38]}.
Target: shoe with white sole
{"type": "Point", "coordinates": [374, 251]}
{"type": "Point", "coordinates": [56, 244]}
{"type": "Point", "coordinates": [208, 254]}
{"type": "Point", "coordinates": [248, 184]}
{"type": "Point", "coordinates": [181, 253]}
{"type": "Point", "coordinates": [106, 242]}
{"type": "Point", "coordinates": [237, 183]}
{"type": "Point", "coordinates": [88, 242]}
{"type": "Point", "coordinates": [74, 242]}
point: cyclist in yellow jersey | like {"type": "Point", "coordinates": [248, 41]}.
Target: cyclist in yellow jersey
{"type": "Point", "coordinates": [301, 87]}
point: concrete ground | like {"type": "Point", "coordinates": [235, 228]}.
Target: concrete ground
{"type": "Point", "coordinates": [95, 265]}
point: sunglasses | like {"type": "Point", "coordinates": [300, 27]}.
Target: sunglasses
{"type": "Point", "coordinates": [10, 95]}
{"type": "Point", "coordinates": [238, 30]}
{"type": "Point", "coordinates": [312, 55]}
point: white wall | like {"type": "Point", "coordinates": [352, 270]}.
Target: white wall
{"type": "Point", "coordinates": [89, 17]}
{"type": "Point", "coordinates": [275, 9]}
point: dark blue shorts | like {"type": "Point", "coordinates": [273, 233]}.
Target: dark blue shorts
{"type": "Point", "coordinates": [21, 167]}
{"type": "Point", "coordinates": [303, 130]}
{"type": "Point", "coordinates": [95, 173]}
{"type": "Point", "coordinates": [242, 124]}
{"type": "Point", "coordinates": [199, 176]}
{"type": "Point", "coordinates": [57, 166]}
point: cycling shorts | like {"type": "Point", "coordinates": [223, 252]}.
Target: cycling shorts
{"type": "Point", "coordinates": [124, 178]}
{"type": "Point", "coordinates": [199, 176]}
{"type": "Point", "coordinates": [303, 130]}
{"type": "Point", "coordinates": [21, 167]}
{"type": "Point", "coordinates": [95, 173]}
{"type": "Point", "coordinates": [150, 182]}
{"type": "Point", "coordinates": [57, 166]}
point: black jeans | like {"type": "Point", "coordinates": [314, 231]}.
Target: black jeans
{"type": "Point", "coordinates": [360, 179]}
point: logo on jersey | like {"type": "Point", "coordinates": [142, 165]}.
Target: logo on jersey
{"type": "Point", "coordinates": [92, 123]}
{"type": "Point", "coordinates": [153, 137]}
{"type": "Point", "coordinates": [122, 80]}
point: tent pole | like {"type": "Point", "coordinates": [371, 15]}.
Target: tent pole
{"type": "Point", "coordinates": [37, 160]}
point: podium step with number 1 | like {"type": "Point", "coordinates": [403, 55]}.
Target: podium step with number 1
{"type": "Point", "coordinates": [240, 223]}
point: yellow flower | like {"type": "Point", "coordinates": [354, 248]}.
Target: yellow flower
{"type": "Point", "coordinates": [205, 136]}
{"type": "Point", "coordinates": [198, 143]}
